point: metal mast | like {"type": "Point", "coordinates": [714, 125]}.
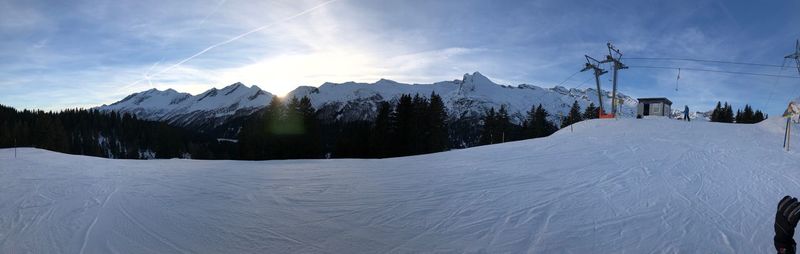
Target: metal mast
{"type": "Point", "coordinates": [789, 114]}
{"type": "Point", "coordinates": [617, 65]}
{"type": "Point", "coordinates": [796, 55]}
{"type": "Point", "coordinates": [593, 64]}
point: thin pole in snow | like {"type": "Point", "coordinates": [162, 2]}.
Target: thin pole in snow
{"type": "Point", "coordinates": [15, 148]}
{"type": "Point", "coordinates": [788, 133]}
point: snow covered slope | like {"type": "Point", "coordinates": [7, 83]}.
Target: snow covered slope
{"type": "Point", "coordinates": [470, 96]}
{"type": "Point", "coordinates": [208, 109]}
{"type": "Point", "coordinates": [603, 186]}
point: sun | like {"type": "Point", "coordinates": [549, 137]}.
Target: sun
{"type": "Point", "coordinates": [281, 74]}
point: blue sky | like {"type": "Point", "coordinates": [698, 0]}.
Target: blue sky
{"type": "Point", "coordinates": [63, 54]}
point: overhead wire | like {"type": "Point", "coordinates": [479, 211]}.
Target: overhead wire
{"type": "Point", "coordinates": [709, 70]}
{"type": "Point", "coordinates": [679, 69]}
{"type": "Point", "coordinates": [772, 90]}
{"type": "Point", "coordinates": [568, 78]}
{"type": "Point", "coordinates": [703, 60]}
{"type": "Point", "coordinates": [538, 98]}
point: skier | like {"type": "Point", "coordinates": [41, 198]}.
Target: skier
{"type": "Point", "coordinates": [686, 113]}
{"type": "Point", "coordinates": [785, 221]}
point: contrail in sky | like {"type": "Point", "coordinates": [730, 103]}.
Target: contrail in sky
{"type": "Point", "coordinates": [235, 38]}
{"type": "Point", "coordinates": [147, 74]}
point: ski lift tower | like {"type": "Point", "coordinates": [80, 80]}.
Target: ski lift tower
{"type": "Point", "coordinates": [593, 64]}
{"type": "Point", "coordinates": [617, 65]}
{"type": "Point", "coordinates": [796, 55]}
{"type": "Point", "coordinates": [792, 110]}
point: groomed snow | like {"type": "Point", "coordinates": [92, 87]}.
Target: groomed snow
{"type": "Point", "coordinates": [603, 186]}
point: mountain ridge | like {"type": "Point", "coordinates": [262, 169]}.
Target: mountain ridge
{"type": "Point", "coordinates": [205, 110]}
{"type": "Point", "coordinates": [468, 97]}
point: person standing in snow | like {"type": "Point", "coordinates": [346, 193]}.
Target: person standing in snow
{"type": "Point", "coordinates": [686, 113]}
{"type": "Point", "coordinates": [785, 221]}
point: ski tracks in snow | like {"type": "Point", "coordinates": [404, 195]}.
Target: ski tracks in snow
{"type": "Point", "coordinates": [656, 186]}
{"type": "Point", "coordinates": [94, 221]}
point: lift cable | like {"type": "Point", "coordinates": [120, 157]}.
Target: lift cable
{"type": "Point", "coordinates": [717, 71]}
{"type": "Point", "coordinates": [772, 90]}
{"type": "Point", "coordinates": [703, 61]}
{"type": "Point", "coordinates": [568, 78]}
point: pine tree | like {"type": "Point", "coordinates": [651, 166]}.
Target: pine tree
{"type": "Point", "coordinates": [437, 119]}
{"type": "Point", "coordinates": [380, 135]}
{"type": "Point", "coordinates": [258, 137]}
{"type": "Point", "coordinates": [273, 117]}
{"type": "Point", "coordinates": [738, 116]}
{"type": "Point", "coordinates": [715, 115]}
{"type": "Point", "coordinates": [547, 126]}
{"type": "Point", "coordinates": [310, 145]}
{"type": "Point", "coordinates": [538, 124]}
{"type": "Point", "coordinates": [748, 115]}
{"type": "Point", "coordinates": [529, 123]}
{"type": "Point", "coordinates": [289, 120]}
{"type": "Point", "coordinates": [504, 126]}
{"type": "Point", "coordinates": [488, 133]}
{"type": "Point", "coordinates": [591, 112]}
{"type": "Point", "coordinates": [574, 115]}
{"type": "Point", "coordinates": [421, 128]}
{"type": "Point", "coordinates": [404, 125]}
{"type": "Point", "coordinates": [77, 131]}
{"type": "Point", "coordinates": [728, 116]}
{"type": "Point", "coordinates": [758, 116]}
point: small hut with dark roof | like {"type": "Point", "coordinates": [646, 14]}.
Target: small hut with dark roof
{"type": "Point", "coordinates": [654, 107]}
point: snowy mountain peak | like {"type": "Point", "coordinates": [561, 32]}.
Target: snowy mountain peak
{"type": "Point", "coordinates": [469, 97]}
{"type": "Point", "coordinates": [212, 107]}
{"type": "Point", "coordinates": [386, 82]}
{"type": "Point", "coordinates": [475, 81]}
{"type": "Point", "coordinates": [150, 98]}
{"type": "Point", "coordinates": [561, 89]}
{"type": "Point", "coordinates": [233, 86]}
{"type": "Point", "coordinates": [477, 77]}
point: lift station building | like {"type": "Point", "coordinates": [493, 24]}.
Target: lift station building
{"type": "Point", "coordinates": [654, 107]}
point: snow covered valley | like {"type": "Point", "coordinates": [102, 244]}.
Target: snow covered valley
{"type": "Point", "coordinates": [603, 186]}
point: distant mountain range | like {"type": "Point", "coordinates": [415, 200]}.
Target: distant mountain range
{"type": "Point", "coordinates": [468, 97]}
{"type": "Point", "coordinates": [203, 111]}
